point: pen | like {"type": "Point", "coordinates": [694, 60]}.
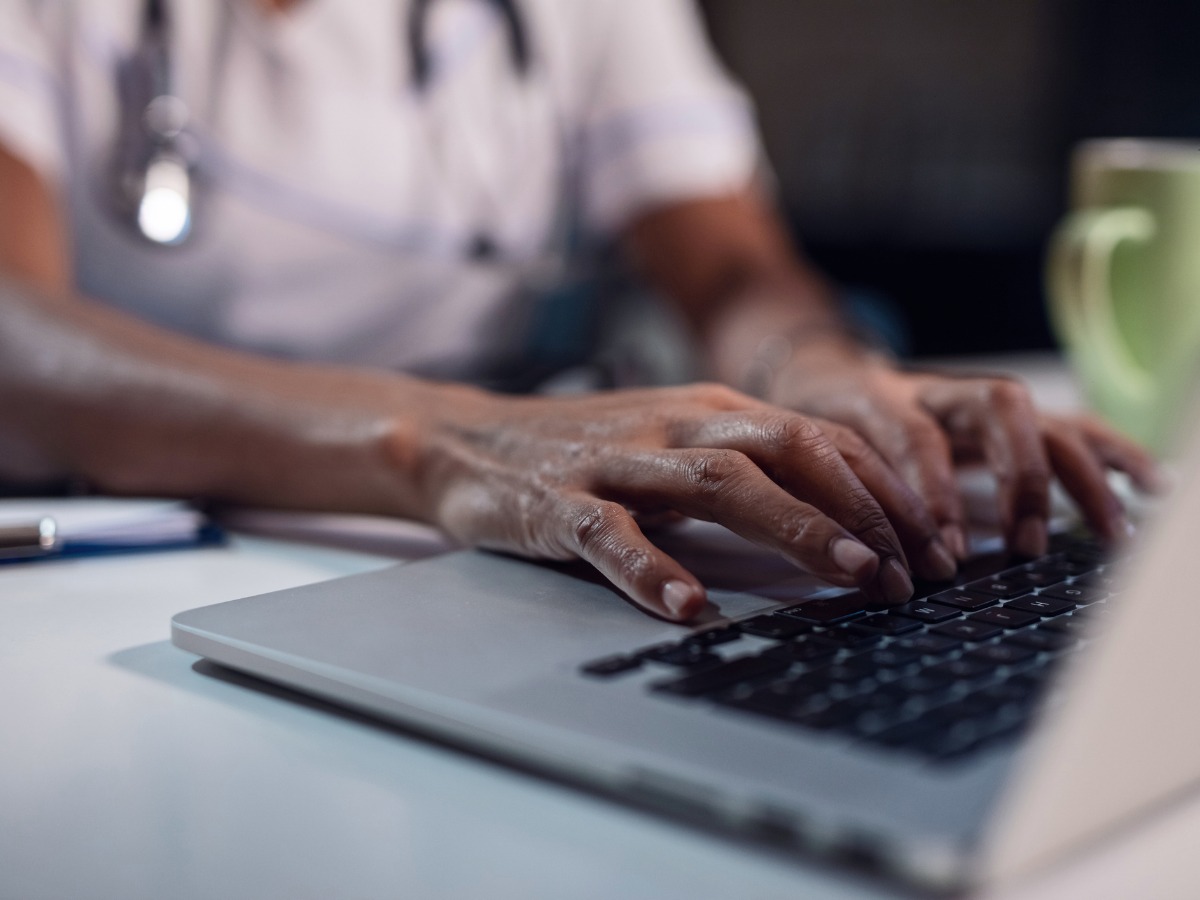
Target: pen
{"type": "Point", "coordinates": [28, 541]}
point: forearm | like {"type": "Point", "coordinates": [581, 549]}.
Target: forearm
{"type": "Point", "coordinates": [779, 318]}
{"type": "Point", "coordinates": [733, 273]}
{"type": "Point", "coordinates": [89, 392]}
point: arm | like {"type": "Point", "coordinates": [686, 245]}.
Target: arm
{"type": "Point", "coordinates": [768, 324]}
{"type": "Point", "coordinates": [91, 392]}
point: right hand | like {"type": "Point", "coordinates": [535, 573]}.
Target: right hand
{"type": "Point", "coordinates": [560, 478]}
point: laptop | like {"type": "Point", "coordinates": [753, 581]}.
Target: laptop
{"type": "Point", "coordinates": [973, 736]}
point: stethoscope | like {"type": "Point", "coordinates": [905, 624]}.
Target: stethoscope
{"type": "Point", "coordinates": [156, 175]}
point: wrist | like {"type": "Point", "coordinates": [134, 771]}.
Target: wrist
{"type": "Point", "coordinates": [423, 420]}
{"type": "Point", "coordinates": [806, 353]}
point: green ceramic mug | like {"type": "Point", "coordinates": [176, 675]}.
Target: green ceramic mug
{"type": "Point", "coordinates": [1124, 281]}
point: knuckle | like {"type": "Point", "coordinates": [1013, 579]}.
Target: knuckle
{"type": "Point", "coordinates": [1032, 482]}
{"type": "Point", "coordinates": [864, 515]}
{"type": "Point", "coordinates": [598, 536]}
{"type": "Point", "coordinates": [794, 434]}
{"type": "Point", "coordinates": [594, 526]}
{"type": "Point", "coordinates": [1006, 395]}
{"type": "Point", "coordinates": [921, 435]}
{"type": "Point", "coordinates": [636, 564]}
{"type": "Point", "coordinates": [716, 395]}
{"type": "Point", "coordinates": [796, 528]}
{"type": "Point", "coordinates": [852, 445]}
{"type": "Point", "coordinates": [714, 471]}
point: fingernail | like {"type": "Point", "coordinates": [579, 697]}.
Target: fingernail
{"type": "Point", "coordinates": [1029, 537]}
{"type": "Point", "coordinates": [939, 563]}
{"type": "Point", "coordinates": [955, 540]}
{"type": "Point", "coordinates": [677, 596]}
{"type": "Point", "coordinates": [897, 586]}
{"type": "Point", "coordinates": [853, 558]}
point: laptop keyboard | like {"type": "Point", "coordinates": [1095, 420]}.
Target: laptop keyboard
{"type": "Point", "coordinates": [946, 675]}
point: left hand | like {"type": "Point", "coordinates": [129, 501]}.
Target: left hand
{"type": "Point", "coordinates": [923, 424]}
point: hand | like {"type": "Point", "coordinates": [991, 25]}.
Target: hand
{"type": "Point", "coordinates": [559, 478]}
{"type": "Point", "coordinates": [924, 424]}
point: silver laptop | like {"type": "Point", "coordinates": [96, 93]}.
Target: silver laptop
{"type": "Point", "coordinates": [975, 736]}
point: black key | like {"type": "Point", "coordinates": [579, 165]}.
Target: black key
{"type": "Point", "coordinates": [726, 675]}
{"type": "Point", "coordinates": [872, 702]}
{"type": "Point", "coordinates": [973, 706]}
{"type": "Point", "coordinates": [1029, 682]}
{"type": "Point", "coordinates": [824, 639]}
{"type": "Point", "coordinates": [962, 669]}
{"type": "Point", "coordinates": [763, 703]}
{"type": "Point", "coordinates": [927, 644]}
{"type": "Point", "coordinates": [813, 683]}
{"type": "Point", "coordinates": [1081, 546]}
{"type": "Point", "coordinates": [1034, 579]}
{"type": "Point", "coordinates": [1092, 556]}
{"type": "Point", "coordinates": [973, 709]}
{"type": "Point", "coordinates": [1075, 593]}
{"type": "Point", "coordinates": [968, 601]}
{"type": "Point", "coordinates": [1041, 605]}
{"type": "Point", "coordinates": [968, 630]}
{"type": "Point", "coordinates": [1012, 691]}
{"type": "Point", "coordinates": [875, 721]}
{"type": "Point", "coordinates": [611, 665]}
{"type": "Point", "coordinates": [804, 650]}
{"type": "Point", "coordinates": [949, 743]}
{"type": "Point", "coordinates": [923, 682]}
{"type": "Point", "coordinates": [778, 627]}
{"type": "Point", "coordinates": [831, 717]}
{"type": "Point", "coordinates": [1076, 626]}
{"type": "Point", "coordinates": [893, 656]}
{"type": "Point", "coordinates": [715, 636]}
{"type": "Point", "coordinates": [1066, 567]}
{"type": "Point", "coordinates": [848, 671]}
{"type": "Point", "coordinates": [1096, 580]}
{"type": "Point", "coordinates": [997, 588]}
{"type": "Point", "coordinates": [1040, 639]}
{"type": "Point", "coordinates": [851, 636]}
{"type": "Point", "coordinates": [1002, 654]}
{"type": "Point", "coordinates": [1004, 617]}
{"type": "Point", "coordinates": [830, 609]}
{"type": "Point", "coordinates": [781, 699]}
{"type": "Point", "coordinates": [801, 688]}
{"type": "Point", "coordinates": [887, 624]}
{"type": "Point", "coordinates": [922, 611]}
{"type": "Point", "coordinates": [905, 733]}
{"type": "Point", "coordinates": [684, 654]}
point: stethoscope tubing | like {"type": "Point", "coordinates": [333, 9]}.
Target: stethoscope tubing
{"type": "Point", "coordinates": [138, 156]}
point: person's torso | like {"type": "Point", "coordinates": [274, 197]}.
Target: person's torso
{"type": "Point", "coordinates": [338, 210]}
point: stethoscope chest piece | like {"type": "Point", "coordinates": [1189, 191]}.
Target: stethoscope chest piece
{"type": "Point", "coordinates": [154, 165]}
{"type": "Point", "coordinates": [155, 172]}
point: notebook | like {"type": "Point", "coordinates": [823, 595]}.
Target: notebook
{"type": "Point", "coordinates": [87, 526]}
{"type": "Point", "coordinates": [974, 736]}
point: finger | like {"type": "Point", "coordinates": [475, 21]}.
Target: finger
{"type": "Point", "coordinates": [1000, 416]}
{"type": "Point", "coordinates": [1084, 478]}
{"type": "Point", "coordinates": [814, 460]}
{"type": "Point", "coordinates": [916, 447]}
{"type": "Point", "coordinates": [605, 535]}
{"type": "Point", "coordinates": [1123, 454]}
{"type": "Point", "coordinates": [724, 486]}
{"type": "Point", "coordinates": [797, 455]}
{"type": "Point", "coordinates": [911, 518]}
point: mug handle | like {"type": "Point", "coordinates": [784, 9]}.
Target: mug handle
{"type": "Point", "coordinates": [1080, 287]}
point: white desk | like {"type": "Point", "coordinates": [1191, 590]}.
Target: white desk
{"type": "Point", "coordinates": [126, 772]}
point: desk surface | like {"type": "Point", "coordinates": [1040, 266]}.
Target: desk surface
{"type": "Point", "coordinates": [127, 770]}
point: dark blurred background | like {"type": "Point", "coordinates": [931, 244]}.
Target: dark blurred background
{"type": "Point", "coordinates": [922, 145]}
